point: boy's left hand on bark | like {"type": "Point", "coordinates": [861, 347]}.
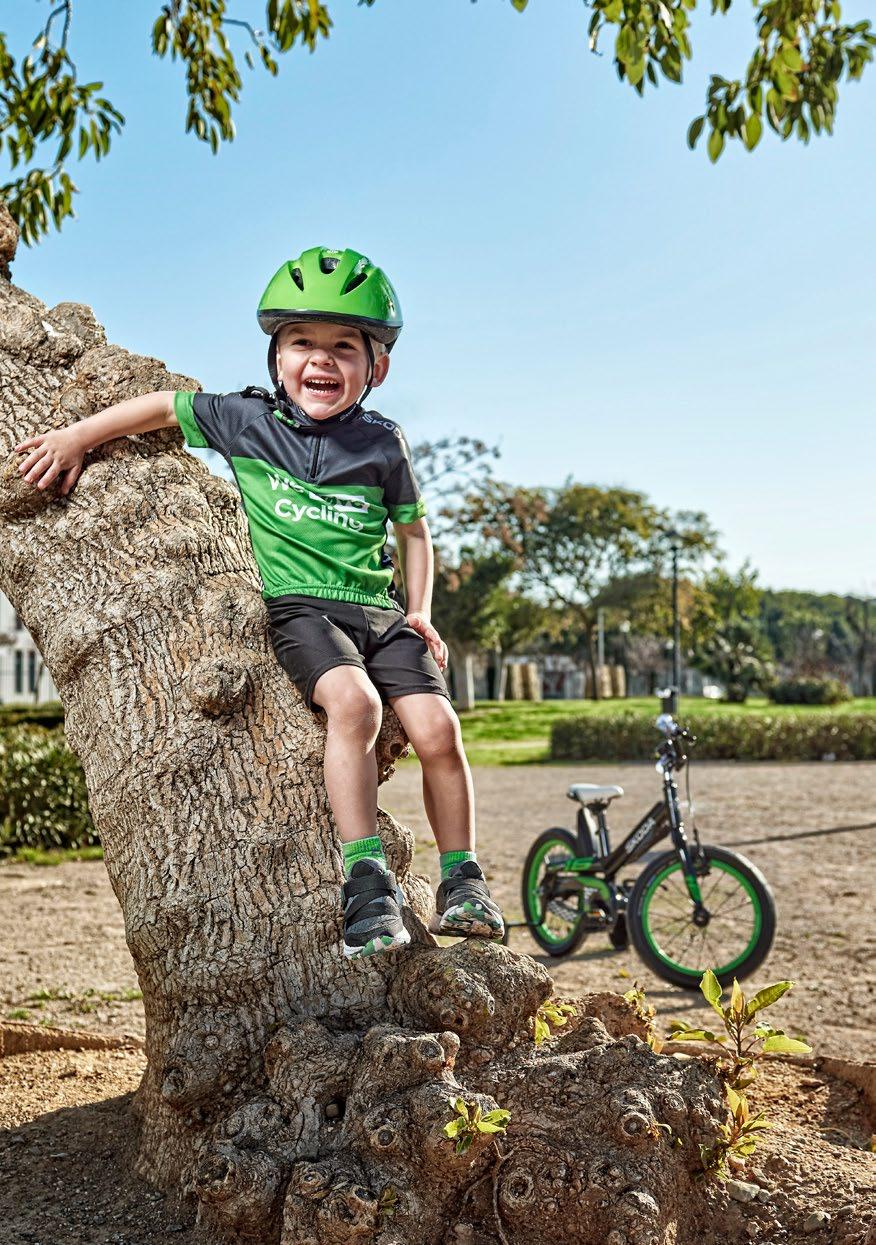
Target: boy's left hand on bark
{"type": "Point", "coordinates": [437, 647]}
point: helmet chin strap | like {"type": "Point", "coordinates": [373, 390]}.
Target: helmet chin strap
{"type": "Point", "coordinates": [370, 382]}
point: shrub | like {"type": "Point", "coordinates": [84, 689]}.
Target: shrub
{"type": "Point", "coordinates": [43, 801]}
{"type": "Point", "coordinates": [812, 691]}
{"type": "Point", "coordinates": [751, 736]}
{"type": "Point", "coordinates": [49, 714]}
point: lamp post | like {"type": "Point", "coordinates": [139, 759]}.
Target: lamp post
{"type": "Point", "coordinates": [675, 548]}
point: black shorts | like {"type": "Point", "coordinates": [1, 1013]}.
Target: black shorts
{"type": "Point", "coordinates": [311, 635]}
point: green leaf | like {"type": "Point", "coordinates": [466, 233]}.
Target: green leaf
{"type": "Point", "coordinates": [785, 1045]}
{"type": "Point", "coordinates": [635, 71]}
{"type": "Point", "coordinates": [751, 137]}
{"type": "Point", "coordinates": [454, 1127]}
{"type": "Point", "coordinates": [733, 1099]}
{"type": "Point", "coordinates": [460, 1108]}
{"type": "Point", "coordinates": [792, 58]}
{"type": "Point", "coordinates": [769, 994]}
{"type": "Point", "coordinates": [737, 999]}
{"type": "Point", "coordinates": [709, 985]}
{"type": "Point", "coordinates": [694, 131]}
{"type": "Point", "coordinates": [499, 1116]}
{"type": "Point", "coordinates": [520, 5]}
{"type": "Point", "coordinates": [464, 1142]}
{"type": "Point", "coordinates": [484, 1127]}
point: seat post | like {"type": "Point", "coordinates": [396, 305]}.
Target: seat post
{"type": "Point", "coordinates": [585, 833]}
{"type": "Point", "coordinates": [604, 843]}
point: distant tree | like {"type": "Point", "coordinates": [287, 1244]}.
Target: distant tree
{"type": "Point", "coordinates": [464, 608]}
{"type": "Point", "coordinates": [734, 649]}
{"type": "Point", "coordinates": [802, 52]}
{"type": "Point", "coordinates": [569, 544]}
{"type": "Point", "coordinates": [861, 617]}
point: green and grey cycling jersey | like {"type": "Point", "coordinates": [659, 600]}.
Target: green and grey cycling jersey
{"type": "Point", "coordinates": [317, 494]}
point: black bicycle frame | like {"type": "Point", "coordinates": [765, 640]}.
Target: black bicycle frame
{"type": "Point", "coordinates": [653, 827]}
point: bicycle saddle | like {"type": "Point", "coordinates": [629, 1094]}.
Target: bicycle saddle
{"type": "Point", "coordinates": [589, 793]}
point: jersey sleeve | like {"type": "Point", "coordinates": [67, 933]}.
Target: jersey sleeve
{"type": "Point", "coordinates": [401, 494]}
{"type": "Point", "coordinates": [210, 420]}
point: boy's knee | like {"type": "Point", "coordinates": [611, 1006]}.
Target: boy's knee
{"type": "Point", "coordinates": [439, 735]}
{"type": "Point", "coordinates": [354, 707]}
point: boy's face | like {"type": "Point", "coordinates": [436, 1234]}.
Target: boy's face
{"type": "Point", "coordinates": [324, 366]}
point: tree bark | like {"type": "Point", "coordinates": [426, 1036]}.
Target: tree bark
{"type": "Point", "coordinates": [292, 1096]}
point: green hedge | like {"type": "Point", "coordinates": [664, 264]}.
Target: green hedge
{"type": "Point", "coordinates": [750, 736]}
{"type": "Point", "coordinates": [49, 714]}
{"type": "Point", "coordinates": [815, 691]}
{"type": "Point", "coordinates": [43, 801]}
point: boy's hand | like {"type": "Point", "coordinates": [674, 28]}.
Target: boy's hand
{"type": "Point", "coordinates": [437, 647]}
{"type": "Point", "coordinates": [59, 452]}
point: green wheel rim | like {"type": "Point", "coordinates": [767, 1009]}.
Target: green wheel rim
{"type": "Point", "coordinates": [535, 900]}
{"type": "Point", "coordinates": [674, 925]}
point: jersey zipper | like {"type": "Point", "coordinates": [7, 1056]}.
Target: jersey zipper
{"type": "Point", "coordinates": [314, 458]}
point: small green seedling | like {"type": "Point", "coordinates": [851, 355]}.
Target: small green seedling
{"type": "Point", "coordinates": [469, 1120]}
{"type": "Point", "coordinates": [550, 1013]}
{"type": "Point", "coordinates": [387, 1205]}
{"type": "Point", "coordinates": [743, 1041]}
{"type": "Point", "coordinates": [645, 1011]}
{"type": "Point", "coordinates": [737, 1140]}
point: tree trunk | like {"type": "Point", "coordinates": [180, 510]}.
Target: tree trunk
{"type": "Point", "coordinates": [463, 675]}
{"type": "Point", "coordinates": [596, 690]}
{"type": "Point", "coordinates": [292, 1096]}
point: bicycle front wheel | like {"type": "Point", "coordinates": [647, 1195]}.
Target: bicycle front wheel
{"type": "Point", "coordinates": [552, 901]}
{"type": "Point", "coordinates": [733, 942]}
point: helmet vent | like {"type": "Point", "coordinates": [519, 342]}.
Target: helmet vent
{"type": "Point", "coordinates": [328, 263]}
{"type": "Point", "coordinates": [354, 281]}
{"type": "Point", "coordinates": [297, 278]}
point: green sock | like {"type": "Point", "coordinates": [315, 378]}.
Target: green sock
{"type": "Point", "coordinates": [448, 859]}
{"type": "Point", "coordinates": [362, 849]}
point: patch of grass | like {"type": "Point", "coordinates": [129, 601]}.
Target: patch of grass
{"type": "Point", "coordinates": [43, 857]}
{"type": "Point", "coordinates": [18, 1013]}
{"type": "Point", "coordinates": [87, 1001]}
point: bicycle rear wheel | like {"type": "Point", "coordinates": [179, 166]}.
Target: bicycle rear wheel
{"type": "Point", "coordinates": [553, 905]}
{"type": "Point", "coordinates": [739, 932]}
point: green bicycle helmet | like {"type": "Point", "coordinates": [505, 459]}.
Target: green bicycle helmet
{"type": "Point", "coordinates": [340, 286]}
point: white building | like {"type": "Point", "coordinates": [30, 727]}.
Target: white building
{"type": "Point", "coordinates": [23, 677]}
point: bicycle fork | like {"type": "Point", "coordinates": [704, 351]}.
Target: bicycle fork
{"type": "Point", "coordinates": [701, 914]}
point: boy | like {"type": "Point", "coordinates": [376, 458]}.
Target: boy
{"type": "Point", "coordinates": [319, 477]}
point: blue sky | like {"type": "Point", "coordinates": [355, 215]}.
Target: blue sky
{"type": "Point", "coordinates": [577, 286]}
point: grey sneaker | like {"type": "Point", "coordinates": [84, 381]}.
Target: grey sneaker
{"type": "Point", "coordinates": [463, 907]}
{"type": "Point", "coordinates": [373, 901]}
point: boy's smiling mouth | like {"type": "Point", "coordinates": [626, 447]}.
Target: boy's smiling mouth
{"type": "Point", "coordinates": [322, 386]}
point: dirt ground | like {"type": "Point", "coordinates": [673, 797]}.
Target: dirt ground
{"type": "Point", "coordinates": [65, 1131]}
{"type": "Point", "coordinates": [63, 956]}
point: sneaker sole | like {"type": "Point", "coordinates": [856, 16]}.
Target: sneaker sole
{"type": "Point", "coordinates": [456, 924]}
{"type": "Point", "coordinates": [377, 945]}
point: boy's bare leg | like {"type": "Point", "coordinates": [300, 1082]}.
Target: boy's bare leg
{"type": "Point", "coordinates": [372, 898]}
{"type": "Point", "coordinates": [448, 795]}
{"type": "Point", "coordinates": [464, 907]}
{"type": "Point", "coordinates": [354, 711]}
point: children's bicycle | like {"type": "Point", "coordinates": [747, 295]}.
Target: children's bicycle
{"type": "Point", "coordinates": [692, 908]}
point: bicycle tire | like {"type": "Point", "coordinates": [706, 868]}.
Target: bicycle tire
{"type": "Point", "coordinates": [565, 841]}
{"type": "Point", "coordinates": [664, 874]}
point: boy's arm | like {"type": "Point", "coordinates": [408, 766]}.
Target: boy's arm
{"type": "Point", "coordinates": [418, 566]}
{"type": "Point", "coordinates": [61, 451]}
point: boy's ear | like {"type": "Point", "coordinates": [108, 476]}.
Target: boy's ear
{"type": "Point", "coordinates": [381, 367]}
